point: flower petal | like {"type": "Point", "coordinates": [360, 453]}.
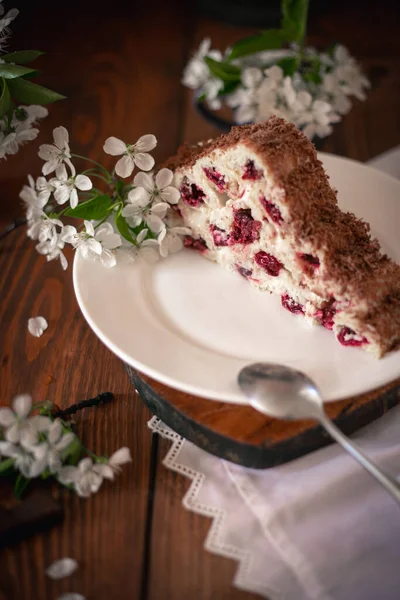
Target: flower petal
{"type": "Point", "coordinates": [164, 178]}
{"type": "Point", "coordinates": [144, 180]}
{"type": "Point", "coordinates": [37, 325]}
{"type": "Point", "coordinates": [159, 209]}
{"type": "Point", "coordinates": [89, 228]}
{"type": "Point", "coordinates": [68, 475]}
{"type": "Point", "coordinates": [170, 195]}
{"type": "Point", "coordinates": [73, 199]}
{"type": "Point", "coordinates": [22, 404]}
{"type": "Point", "coordinates": [120, 457]}
{"type": "Point", "coordinates": [40, 423]}
{"type": "Point", "coordinates": [28, 437]}
{"type": "Point", "coordinates": [82, 182]}
{"type": "Point", "coordinates": [55, 431]}
{"type": "Point", "coordinates": [61, 173]}
{"type": "Point", "coordinates": [108, 259]}
{"type": "Point", "coordinates": [62, 194]}
{"type": "Point", "coordinates": [65, 441]}
{"type": "Point", "coordinates": [144, 161]}
{"type": "Point", "coordinates": [49, 166]}
{"type": "Point", "coordinates": [61, 137]}
{"type": "Point", "coordinates": [124, 167]}
{"type": "Point", "coordinates": [12, 434]}
{"type": "Point", "coordinates": [47, 152]}
{"type": "Point", "coordinates": [104, 470]}
{"type": "Point", "coordinates": [146, 143]}
{"type": "Point", "coordinates": [71, 596]}
{"type": "Point", "coordinates": [141, 235]}
{"type": "Point", "coordinates": [114, 146]}
{"type": "Point", "coordinates": [7, 417]}
{"type": "Point", "coordinates": [139, 196]}
{"type": "Point", "coordinates": [64, 567]}
{"type": "Point", "coordinates": [155, 223]}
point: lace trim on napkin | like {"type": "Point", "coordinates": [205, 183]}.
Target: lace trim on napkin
{"type": "Point", "coordinates": [214, 542]}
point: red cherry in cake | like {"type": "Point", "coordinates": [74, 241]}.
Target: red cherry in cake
{"type": "Point", "coordinates": [246, 273]}
{"type": "Point", "coordinates": [346, 338]}
{"type": "Point", "coordinates": [245, 229]}
{"type": "Point", "coordinates": [269, 263]}
{"type": "Point", "coordinates": [291, 305]}
{"type": "Point", "coordinates": [325, 316]}
{"type": "Point", "coordinates": [191, 193]}
{"type": "Point", "coordinates": [220, 236]}
{"type": "Point", "coordinates": [215, 177]}
{"type": "Point", "coordinates": [191, 242]}
{"type": "Point", "coordinates": [250, 171]}
{"type": "Point", "coordinates": [272, 210]}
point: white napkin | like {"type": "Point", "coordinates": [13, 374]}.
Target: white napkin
{"type": "Point", "coordinates": [317, 528]}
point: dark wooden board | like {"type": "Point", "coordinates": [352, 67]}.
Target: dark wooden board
{"type": "Point", "coordinates": [244, 436]}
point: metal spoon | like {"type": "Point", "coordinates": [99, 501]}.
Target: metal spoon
{"type": "Point", "coordinates": [285, 393]}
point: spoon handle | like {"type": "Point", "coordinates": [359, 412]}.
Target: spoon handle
{"type": "Point", "coordinates": [389, 483]}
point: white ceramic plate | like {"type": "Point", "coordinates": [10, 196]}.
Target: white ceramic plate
{"type": "Point", "coordinates": [191, 325]}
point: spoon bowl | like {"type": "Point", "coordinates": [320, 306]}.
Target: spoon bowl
{"type": "Point", "coordinates": [284, 393]}
{"type": "Point", "coordinates": [280, 392]}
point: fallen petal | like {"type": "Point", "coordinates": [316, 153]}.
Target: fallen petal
{"type": "Point", "coordinates": [71, 596]}
{"type": "Point", "coordinates": [37, 325]}
{"type": "Point", "coordinates": [62, 568]}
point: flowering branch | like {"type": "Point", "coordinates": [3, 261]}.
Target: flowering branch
{"type": "Point", "coordinates": [21, 100]}
{"type": "Point", "coordinates": [34, 443]}
{"type": "Point", "coordinates": [136, 216]}
{"type": "Point", "coordinates": [273, 73]}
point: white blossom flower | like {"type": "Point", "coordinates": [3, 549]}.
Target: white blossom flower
{"type": "Point", "coordinates": [41, 227]}
{"type": "Point", "coordinates": [37, 325]}
{"type": "Point", "coordinates": [171, 241]}
{"type": "Point", "coordinates": [84, 478]}
{"type": "Point", "coordinates": [71, 596]}
{"type": "Point", "coordinates": [53, 249]}
{"type": "Point", "coordinates": [19, 427]}
{"type": "Point", "coordinates": [58, 153]}
{"type": "Point", "coordinates": [34, 202]}
{"type": "Point", "coordinates": [45, 189]}
{"type": "Point", "coordinates": [56, 443]}
{"type": "Point", "coordinates": [31, 462]}
{"type": "Point", "coordinates": [150, 199]}
{"type": "Point", "coordinates": [87, 477]}
{"type": "Point", "coordinates": [10, 142]}
{"type": "Point", "coordinates": [95, 245]}
{"type": "Point", "coordinates": [113, 465]}
{"type": "Point", "coordinates": [63, 567]}
{"type": "Point", "coordinates": [132, 154]}
{"type": "Point", "coordinates": [66, 186]}
{"type": "Point", "coordinates": [196, 72]}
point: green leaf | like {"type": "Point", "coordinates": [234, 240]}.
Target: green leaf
{"type": "Point", "coordinates": [22, 57]}
{"type": "Point", "coordinates": [20, 485]}
{"type": "Point", "coordinates": [294, 20]}
{"type": "Point", "coordinates": [5, 99]}
{"type": "Point", "coordinates": [13, 71]}
{"type": "Point", "coordinates": [271, 39]}
{"type": "Point", "coordinates": [94, 209]}
{"type": "Point", "coordinates": [229, 87]}
{"type": "Point", "coordinates": [31, 93]}
{"type": "Point", "coordinates": [223, 70]}
{"type": "Point", "coordinates": [123, 228]}
{"type": "Point", "coordinates": [6, 466]}
{"type": "Point", "coordinates": [289, 65]}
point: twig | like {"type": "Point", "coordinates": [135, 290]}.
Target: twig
{"type": "Point", "coordinates": [11, 227]}
{"type": "Point", "coordinates": [74, 408]}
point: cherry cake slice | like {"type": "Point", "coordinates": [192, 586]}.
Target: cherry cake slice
{"type": "Point", "coordinates": [259, 203]}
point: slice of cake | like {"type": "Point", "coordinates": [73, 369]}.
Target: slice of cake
{"type": "Point", "coordinates": [259, 202]}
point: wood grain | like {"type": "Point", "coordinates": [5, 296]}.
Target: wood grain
{"type": "Point", "coordinates": [120, 69]}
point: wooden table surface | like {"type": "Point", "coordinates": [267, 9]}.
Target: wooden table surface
{"type": "Point", "coordinates": [120, 68]}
